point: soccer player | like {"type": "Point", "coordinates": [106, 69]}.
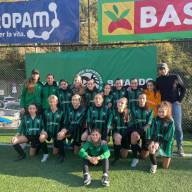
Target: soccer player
{"type": "Point", "coordinates": [141, 119]}
{"type": "Point", "coordinates": [153, 96]}
{"type": "Point", "coordinates": [98, 116]}
{"type": "Point", "coordinates": [162, 136]}
{"type": "Point", "coordinates": [74, 123]}
{"type": "Point", "coordinates": [93, 152]}
{"type": "Point", "coordinates": [77, 87]}
{"type": "Point", "coordinates": [31, 92]}
{"type": "Point", "coordinates": [107, 95]}
{"type": "Point", "coordinates": [133, 94]}
{"type": "Point", "coordinates": [54, 123]}
{"type": "Point", "coordinates": [90, 92]}
{"type": "Point", "coordinates": [172, 89]}
{"type": "Point", "coordinates": [118, 91]}
{"type": "Point", "coordinates": [64, 95]}
{"type": "Point", "coordinates": [28, 132]}
{"type": "Point", "coordinates": [50, 88]}
{"type": "Point", "coordinates": [120, 129]}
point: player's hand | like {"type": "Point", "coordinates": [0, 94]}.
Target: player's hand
{"type": "Point", "coordinates": [95, 160]}
{"type": "Point", "coordinates": [103, 142]}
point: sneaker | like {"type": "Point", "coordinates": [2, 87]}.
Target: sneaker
{"type": "Point", "coordinates": [134, 162]}
{"type": "Point", "coordinates": [105, 180]}
{"type": "Point", "coordinates": [153, 169]}
{"type": "Point", "coordinates": [87, 179]}
{"type": "Point", "coordinates": [20, 157]}
{"type": "Point", "coordinates": [45, 157]}
{"type": "Point", "coordinates": [180, 152]}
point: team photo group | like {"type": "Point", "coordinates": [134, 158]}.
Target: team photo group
{"type": "Point", "coordinates": [138, 121]}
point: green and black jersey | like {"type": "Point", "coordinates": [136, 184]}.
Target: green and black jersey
{"type": "Point", "coordinates": [117, 94]}
{"type": "Point", "coordinates": [141, 117]}
{"type": "Point", "coordinates": [46, 92]}
{"type": "Point", "coordinates": [120, 121]}
{"type": "Point", "coordinates": [99, 117]}
{"type": "Point", "coordinates": [89, 96]}
{"type": "Point", "coordinates": [28, 97]}
{"type": "Point", "coordinates": [162, 131]}
{"type": "Point", "coordinates": [31, 127]}
{"type": "Point", "coordinates": [89, 149]}
{"type": "Point", "coordinates": [133, 98]}
{"type": "Point", "coordinates": [53, 122]}
{"type": "Point", "coordinates": [108, 100]}
{"type": "Point", "coordinates": [74, 122]}
{"type": "Point", "coordinates": [64, 97]}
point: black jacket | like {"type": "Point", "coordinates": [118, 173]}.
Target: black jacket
{"type": "Point", "coordinates": [171, 87]}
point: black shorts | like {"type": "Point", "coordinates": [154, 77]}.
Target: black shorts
{"type": "Point", "coordinates": [75, 135]}
{"type": "Point", "coordinates": [55, 141]}
{"type": "Point", "coordinates": [143, 138]}
{"type": "Point", "coordinates": [126, 140]}
{"type": "Point", "coordinates": [34, 141]}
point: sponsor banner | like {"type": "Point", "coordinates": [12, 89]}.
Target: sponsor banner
{"type": "Point", "coordinates": [101, 65]}
{"type": "Point", "coordinates": [39, 21]}
{"type": "Point", "coordinates": [121, 20]}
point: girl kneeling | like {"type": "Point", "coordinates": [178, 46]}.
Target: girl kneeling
{"type": "Point", "coordinates": [29, 131]}
{"type": "Point", "coordinates": [162, 136]}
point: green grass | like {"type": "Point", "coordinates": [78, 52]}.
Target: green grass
{"type": "Point", "coordinates": [31, 175]}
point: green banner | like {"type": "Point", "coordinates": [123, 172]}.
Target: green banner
{"type": "Point", "coordinates": [101, 65]}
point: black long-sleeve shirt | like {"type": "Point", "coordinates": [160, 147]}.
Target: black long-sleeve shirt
{"type": "Point", "coordinates": [171, 87]}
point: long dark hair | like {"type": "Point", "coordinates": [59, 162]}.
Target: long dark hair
{"type": "Point", "coordinates": [154, 86]}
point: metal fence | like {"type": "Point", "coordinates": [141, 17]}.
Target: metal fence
{"type": "Point", "coordinates": [178, 55]}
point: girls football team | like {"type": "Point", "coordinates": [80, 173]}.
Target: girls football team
{"type": "Point", "coordinates": [133, 117]}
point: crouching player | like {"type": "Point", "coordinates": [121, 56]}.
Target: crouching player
{"type": "Point", "coordinates": [93, 152]}
{"type": "Point", "coordinates": [74, 123]}
{"type": "Point", "coordinates": [29, 131]}
{"type": "Point", "coordinates": [54, 123]}
{"type": "Point", "coordinates": [141, 119]}
{"type": "Point", "coordinates": [120, 129]}
{"type": "Point", "coordinates": [162, 136]}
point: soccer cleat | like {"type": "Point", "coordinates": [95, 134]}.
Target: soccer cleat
{"type": "Point", "coordinates": [20, 157]}
{"type": "Point", "coordinates": [87, 179]}
{"type": "Point", "coordinates": [180, 152]}
{"type": "Point", "coordinates": [153, 169]}
{"type": "Point", "coordinates": [105, 180]}
{"type": "Point", "coordinates": [134, 162]}
{"type": "Point", "coordinates": [45, 157]}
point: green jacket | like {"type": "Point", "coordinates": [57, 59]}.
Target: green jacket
{"type": "Point", "coordinates": [89, 149]}
{"type": "Point", "coordinates": [28, 98]}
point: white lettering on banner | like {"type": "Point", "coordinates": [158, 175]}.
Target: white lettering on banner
{"type": "Point", "coordinates": [149, 18]}
{"type": "Point", "coordinates": [40, 19]}
{"type": "Point", "coordinates": [127, 81]}
{"type": "Point", "coordinates": [170, 16]}
{"type": "Point", "coordinates": [188, 11]}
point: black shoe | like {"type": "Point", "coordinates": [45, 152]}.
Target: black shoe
{"type": "Point", "coordinates": [105, 180]}
{"type": "Point", "coordinates": [87, 179]}
{"type": "Point", "coordinates": [61, 159]}
{"type": "Point", "coordinates": [20, 157]}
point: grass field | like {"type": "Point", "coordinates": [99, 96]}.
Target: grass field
{"type": "Point", "coordinates": [30, 175]}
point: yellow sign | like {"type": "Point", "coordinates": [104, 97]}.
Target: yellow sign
{"type": "Point", "coordinates": [118, 18]}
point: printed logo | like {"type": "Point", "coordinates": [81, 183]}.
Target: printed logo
{"type": "Point", "coordinates": [91, 74]}
{"type": "Point", "coordinates": [117, 18]}
{"type": "Point", "coordinates": [54, 23]}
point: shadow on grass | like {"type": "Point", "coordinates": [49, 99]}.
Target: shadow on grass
{"type": "Point", "coordinates": [69, 173]}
